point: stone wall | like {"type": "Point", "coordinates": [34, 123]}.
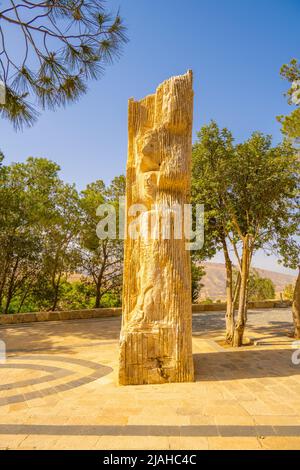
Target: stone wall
{"type": "Point", "coordinates": [218, 307]}
{"type": "Point", "coordinates": [117, 312]}
{"type": "Point", "coordinates": [60, 315]}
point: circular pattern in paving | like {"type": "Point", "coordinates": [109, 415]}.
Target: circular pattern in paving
{"type": "Point", "coordinates": [63, 372]}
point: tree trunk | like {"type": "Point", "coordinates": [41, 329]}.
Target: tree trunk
{"type": "Point", "coordinates": [10, 290]}
{"type": "Point", "coordinates": [23, 299]}
{"type": "Point", "coordinates": [3, 278]}
{"type": "Point", "coordinates": [239, 327]}
{"type": "Point", "coordinates": [54, 305]}
{"type": "Point", "coordinates": [229, 312]}
{"type": "Point", "coordinates": [237, 291]}
{"type": "Point", "coordinates": [99, 279]}
{"type": "Point", "coordinates": [98, 296]}
{"type": "Point", "coordinates": [296, 307]}
{"type": "Point", "coordinates": [56, 292]}
{"type": "Point", "coordinates": [7, 303]}
{"type": "Point", "coordinates": [229, 296]}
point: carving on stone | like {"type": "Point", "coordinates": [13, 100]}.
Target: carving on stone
{"type": "Point", "coordinates": [156, 336]}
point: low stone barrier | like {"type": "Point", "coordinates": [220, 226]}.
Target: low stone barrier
{"type": "Point", "coordinates": [251, 305]}
{"type": "Point", "coordinates": [117, 312]}
{"type": "Point", "coordinates": [208, 307]}
{"type": "Point", "coordinates": [270, 304]}
{"type": "Point", "coordinates": [60, 315]}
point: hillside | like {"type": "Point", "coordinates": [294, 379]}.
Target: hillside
{"type": "Point", "coordinates": [214, 281]}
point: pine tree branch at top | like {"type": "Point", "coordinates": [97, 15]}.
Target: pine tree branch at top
{"type": "Point", "coordinates": [65, 43]}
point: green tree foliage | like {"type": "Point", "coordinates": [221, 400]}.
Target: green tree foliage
{"type": "Point", "coordinates": [288, 248]}
{"type": "Point", "coordinates": [212, 154]}
{"type": "Point", "coordinates": [102, 260]}
{"type": "Point", "coordinates": [291, 123]}
{"type": "Point", "coordinates": [198, 272]}
{"type": "Point", "coordinates": [27, 193]}
{"type": "Point", "coordinates": [76, 295]}
{"type": "Point", "coordinates": [288, 292]}
{"type": "Point", "coordinates": [61, 254]}
{"type": "Point", "coordinates": [47, 233]}
{"type": "Point", "coordinates": [249, 192]}
{"type": "Point", "coordinates": [207, 301]}
{"type": "Point", "coordinates": [260, 288]}
{"type": "Point", "coordinates": [62, 45]}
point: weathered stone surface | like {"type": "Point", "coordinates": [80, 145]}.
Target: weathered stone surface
{"type": "Point", "coordinates": [59, 315]}
{"type": "Point", "coordinates": [156, 337]}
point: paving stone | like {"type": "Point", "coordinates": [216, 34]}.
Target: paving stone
{"type": "Point", "coordinates": [59, 390]}
{"type": "Point", "coordinates": [229, 443]}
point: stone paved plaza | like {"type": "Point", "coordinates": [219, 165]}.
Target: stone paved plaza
{"type": "Point", "coordinates": [58, 390]}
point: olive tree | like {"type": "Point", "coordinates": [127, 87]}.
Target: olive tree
{"type": "Point", "coordinates": [249, 191]}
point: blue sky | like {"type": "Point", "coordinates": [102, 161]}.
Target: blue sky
{"type": "Point", "coordinates": [235, 49]}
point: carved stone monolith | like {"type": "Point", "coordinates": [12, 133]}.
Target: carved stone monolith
{"type": "Point", "coordinates": [156, 336]}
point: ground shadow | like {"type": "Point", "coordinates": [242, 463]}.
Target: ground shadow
{"type": "Point", "coordinates": [150, 430]}
{"type": "Point", "coordinates": [45, 336]}
{"type": "Point", "coordinates": [262, 324]}
{"type": "Point", "coordinates": [70, 336]}
{"type": "Point", "coordinates": [244, 364]}
{"type": "Point", "coordinates": [275, 329]}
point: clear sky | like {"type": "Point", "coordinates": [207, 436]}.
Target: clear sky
{"type": "Point", "coordinates": [235, 49]}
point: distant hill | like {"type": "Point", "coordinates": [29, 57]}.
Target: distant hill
{"type": "Point", "coordinates": [214, 281]}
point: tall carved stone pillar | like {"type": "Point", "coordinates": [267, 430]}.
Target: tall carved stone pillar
{"type": "Point", "coordinates": [156, 336]}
